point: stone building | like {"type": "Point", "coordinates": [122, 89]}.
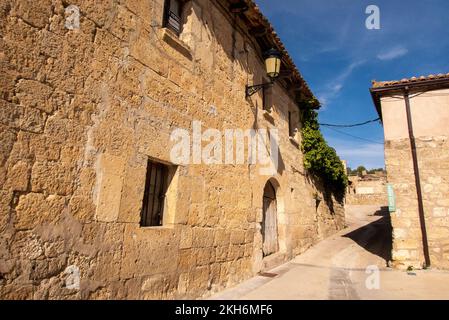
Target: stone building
{"type": "Point", "coordinates": [92, 205]}
{"type": "Point", "coordinates": [369, 189]}
{"type": "Point", "coordinates": [415, 116]}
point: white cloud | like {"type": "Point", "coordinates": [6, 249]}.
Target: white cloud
{"type": "Point", "coordinates": [333, 88]}
{"type": "Point", "coordinates": [392, 53]}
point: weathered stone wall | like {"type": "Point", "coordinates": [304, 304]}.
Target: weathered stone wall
{"type": "Point", "coordinates": [367, 199]}
{"type": "Point", "coordinates": [369, 192]}
{"type": "Point", "coordinates": [81, 112]}
{"type": "Point", "coordinates": [433, 158]}
{"type": "Point", "coordinates": [430, 114]}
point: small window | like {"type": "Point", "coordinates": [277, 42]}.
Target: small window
{"type": "Point", "coordinates": [154, 196]}
{"type": "Point", "coordinates": [291, 125]}
{"type": "Point", "coordinates": [172, 15]}
{"type": "Point", "coordinates": [267, 94]}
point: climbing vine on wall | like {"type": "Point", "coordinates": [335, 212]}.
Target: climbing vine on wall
{"type": "Point", "coordinates": [319, 158]}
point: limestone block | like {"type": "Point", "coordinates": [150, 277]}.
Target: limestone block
{"type": "Point", "coordinates": [48, 268]}
{"type": "Point", "coordinates": [443, 202]}
{"type": "Point", "coordinates": [34, 94]}
{"type": "Point", "coordinates": [440, 212]}
{"type": "Point", "coordinates": [28, 246]}
{"type": "Point", "coordinates": [214, 278]}
{"type": "Point", "coordinates": [82, 208]}
{"type": "Point", "coordinates": [236, 252]}
{"type": "Point", "coordinates": [212, 215]}
{"type": "Point", "coordinates": [203, 237]}
{"type": "Point", "coordinates": [407, 243]}
{"type": "Point", "coordinates": [18, 176]}
{"type": "Point", "coordinates": [34, 13]}
{"type": "Point", "coordinates": [436, 250]}
{"type": "Point", "coordinates": [7, 81]}
{"type": "Point", "coordinates": [183, 283]}
{"type": "Point", "coordinates": [45, 147]}
{"type": "Point", "coordinates": [438, 233]}
{"type": "Point", "coordinates": [159, 284]}
{"type": "Point", "coordinates": [222, 237]}
{"type": "Point", "coordinates": [132, 194]}
{"type": "Point", "coordinates": [87, 178]}
{"type": "Point", "coordinates": [197, 195]}
{"type": "Point", "coordinates": [10, 114]}
{"type": "Point", "coordinates": [434, 180]}
{"type": "Point", "coordinates": [190, 214]}
{"type": "Point", "coordinates": [148, 251]}
{"type": "Point", "coordinates": [123, 24]}
{"type": "Point", "coordinates": [439, 222]}
{"type": "Point", "coordinates": [140, 49]}
{"type": "Point", "coordinates": [205, 256]}
{"type": "Point", "coordinates": [186, 238]}
{"type": "Point", "coordinates": [17, 291]}
{"type": "Point", "coordinates": [54, 248]}
{"type": "Point", "coordinates": [106, 265]}
{"type": "Point", "coordinates": [109, 184]}
{"type": "Point", "coordinates": [32, 120]}
{"type": "Point", "coordinates": [187, 260]}
{"type": "Point", "coordinates": [52, 177]}
{"type": "Point", "coordinates": [238, 237]}
{"type": "Point", "coordinates": [35, 209]}
{"type": "Point", "coordinates": [401, 255]}
{"type": "Point", "coordinates": [7, 139]}
{"type": "Point", "coordinates": [199, 277]}
{"type": "Point", "coordinates": [428, 188]}
{"type": "Point", "coordinates": [5, 201]}
{"type": "Point", "coordinates": [399, 233]}
{"type": "Point", "coordinates": [221, 254]}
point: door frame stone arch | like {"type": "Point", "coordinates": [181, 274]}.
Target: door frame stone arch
{"type": "Point", "coordinates": [260, 262]}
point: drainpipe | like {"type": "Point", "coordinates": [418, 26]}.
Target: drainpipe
{"type": "Point", "coordinates": [422, 218]}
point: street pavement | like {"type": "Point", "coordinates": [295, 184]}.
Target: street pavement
{"type": "Point", "coordinates": [350, 265]}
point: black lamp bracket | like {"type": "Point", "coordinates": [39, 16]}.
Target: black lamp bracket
{"type": "Point", "coordinates": [251, 90]}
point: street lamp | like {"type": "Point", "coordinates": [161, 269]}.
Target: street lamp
{"type": "Point", "coordinates": [273, 67]}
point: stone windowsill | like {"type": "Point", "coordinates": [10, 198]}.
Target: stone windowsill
{"type": "Point", "coordinates": [176, 43]}
{"type": "Point", "coordinates": [165, 227]}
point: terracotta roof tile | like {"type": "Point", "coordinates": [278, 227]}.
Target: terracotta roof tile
{"type": "Point", "coordinates": [382, 84]}
{"type": "Point", "coordinates": [280, 46]}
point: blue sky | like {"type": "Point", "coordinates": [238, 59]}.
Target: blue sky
{"type": "Point", "coordinates": [339, 57]}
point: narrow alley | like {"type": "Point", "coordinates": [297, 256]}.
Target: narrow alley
{"type": "Point", "coordinates": [340, 267]}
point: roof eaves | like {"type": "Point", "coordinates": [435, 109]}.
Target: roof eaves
{"type": "Point", "coordinates": [299, 80]}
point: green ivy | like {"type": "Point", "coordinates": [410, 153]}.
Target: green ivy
{"type": "Point", "coordinates": [319, 158]}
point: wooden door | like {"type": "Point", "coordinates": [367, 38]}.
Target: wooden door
{"type": "Point", "coordinates": [269, 224]}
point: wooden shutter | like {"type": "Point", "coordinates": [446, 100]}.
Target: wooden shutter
{"type": "Point", "coordinates": [269, 224]}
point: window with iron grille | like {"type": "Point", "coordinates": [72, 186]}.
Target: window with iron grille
{"type": "Point", "coordinates": [154, 196]}
{"type": "Point", "coordinates": [172, 15]}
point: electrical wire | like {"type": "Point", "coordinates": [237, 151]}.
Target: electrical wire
{"type": "Point", "coordinates": [353, 136]}
{"type": "Point", "coordinates": [349, 125]}
{"type": "Point", "coordinates": [333, 126]}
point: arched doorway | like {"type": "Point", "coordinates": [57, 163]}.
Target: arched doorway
{"type": "Point", "coordinates": [269, 222]}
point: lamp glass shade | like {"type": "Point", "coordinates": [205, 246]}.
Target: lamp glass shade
{"type": "Point", "coordinates": [273, 64]}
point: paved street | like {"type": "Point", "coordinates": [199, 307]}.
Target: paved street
{"type": "Point", "coordinates": [336, 268]}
